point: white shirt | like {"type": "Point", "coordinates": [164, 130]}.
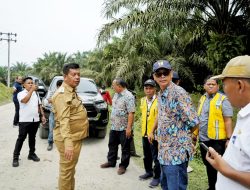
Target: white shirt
{"type": "Point", "coordinates": [28, 112]}
{"type": "Point", "coordinates": [150, 102]}
{"type": "Point", "coordinates": [237, 154]}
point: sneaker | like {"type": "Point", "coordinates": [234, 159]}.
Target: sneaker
{"type": "Point", "coordinates": [145, 176]}
{"type": "Point", "coordinates": [154, 183]}
{"type": "Point", "coordinates": [33, 157]}
{"type": "Point", "coordinates": [189, 169]}
{"type": "Point", "coordinates": [106, 165]}
{"type": "Point", "coordinates": [121, 170]}
{"type": "Point", "coordinates": [50, 147]}
{"type": "Point", "coordinates": [15, 162]}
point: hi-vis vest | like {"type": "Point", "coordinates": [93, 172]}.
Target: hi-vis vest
{"type": "Point", "coordinates": [216, 127]}
{"type": "Point", "coordinates": [148, 115]}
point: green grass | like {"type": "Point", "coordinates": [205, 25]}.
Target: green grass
{"type": "Point", "coordinates": [5, 94]}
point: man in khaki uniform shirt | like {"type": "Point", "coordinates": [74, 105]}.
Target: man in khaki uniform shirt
{"type": "Point", "coordinates": [71, 125]}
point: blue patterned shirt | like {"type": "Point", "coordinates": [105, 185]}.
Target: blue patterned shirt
{"type": "Point", "coordinates": [176, 116]}
{"type": "Point", "coordinates": [122, 104]}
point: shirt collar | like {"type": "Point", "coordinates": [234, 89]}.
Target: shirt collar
{"type": "Point", "coordinates": [68, 88]}
{"type": "Point", "coordinates": [123, 92]}
{"type": "Point", "coordinates": [210, 96]}
{"type": "Point", "coordinates": [244, 111]}
{"type": "Point", "coordinates": [153, 97]}
{"type": "Point", "coordinates": [165, 92]}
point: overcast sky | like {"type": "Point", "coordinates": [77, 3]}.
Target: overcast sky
{"type": "Point", "coordinates": [43, 26]}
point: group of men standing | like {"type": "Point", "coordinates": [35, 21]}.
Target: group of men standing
{"type": "Point", "coordinates": [169, 127]}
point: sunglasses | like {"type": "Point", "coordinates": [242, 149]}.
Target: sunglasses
{"type": "Point", "coordinates": [164, 73]}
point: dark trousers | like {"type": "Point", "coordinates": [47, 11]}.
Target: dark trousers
{"type": "Point", "coordinates": [116, 138]}
{"type": "Point", "coordinates": [24, 129]}
{"type": "Point", "coordinates": [132, 145]}
{"type": "Point", "coordinates": [150, 152]}
{"type": "Point", "coordinates": [219, 146]}
{"type": "Point", "coordinates": [16, 117]}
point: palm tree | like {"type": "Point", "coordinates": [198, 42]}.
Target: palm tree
{"type": "Point", "coordinates": [20, 69]}
{"type": "Point", "coordinates": [80, 58]}
{"type": "Point", "coordinates": [3, 74]}
{"type": "Point", "coordinates": [50, 65]}
{"type": "Point", "coordinates": [200, 18]}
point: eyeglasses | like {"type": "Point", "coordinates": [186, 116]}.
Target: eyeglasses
{"type": "Point", "coordinates": [164, 73]}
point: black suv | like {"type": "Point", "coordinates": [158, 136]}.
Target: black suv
{"type": "Point", "coordinates": [97, 108]}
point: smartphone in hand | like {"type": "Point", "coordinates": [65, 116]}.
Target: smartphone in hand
{"type": "Point", "coordinates": [36, 82]}
{"type": "Point", "coordinates": [204, 146]}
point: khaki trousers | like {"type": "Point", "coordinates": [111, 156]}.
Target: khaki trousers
{"type": "Point", "coordinates": [67, 167]}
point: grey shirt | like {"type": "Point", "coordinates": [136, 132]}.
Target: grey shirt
{"type": "Point", "coordinates": [227, 111]}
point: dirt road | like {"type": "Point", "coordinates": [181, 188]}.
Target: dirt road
{"type": "Point", "coordinates": [43, 175]}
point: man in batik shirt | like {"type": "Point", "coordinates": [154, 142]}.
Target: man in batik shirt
{"type": "Point", "coordinates": [122, 117]}
{"type": "Point", "coordinates": [176, 121]}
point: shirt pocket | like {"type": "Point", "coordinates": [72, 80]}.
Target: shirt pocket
{"type": "Point", "coordinates": [76, 106]}
{"type": "Point", "coordinates": [240, 146]}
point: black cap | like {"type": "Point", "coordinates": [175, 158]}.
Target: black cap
{"type": "Point", "coordinates": [150, 82]}
{"type": "Point", "coordinates": [175, 75]}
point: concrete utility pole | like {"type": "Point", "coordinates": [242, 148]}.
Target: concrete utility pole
{"type": "Point", "coordinates": [8, 39]}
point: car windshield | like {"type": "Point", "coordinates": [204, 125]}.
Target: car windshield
{"type": "Point", "coordinates": [87, 86]}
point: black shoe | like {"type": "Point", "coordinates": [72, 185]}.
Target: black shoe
{"type": "Point", "coordinates": [33, 157]}
{"type": "Point", "coordinates": [145, 176]}
{"type": "Point", "coordinates": [154, 183]}
{"type": "Point", "coordinates": [50, 147]}
{"type": "Point", "coordinates": [15, 162]}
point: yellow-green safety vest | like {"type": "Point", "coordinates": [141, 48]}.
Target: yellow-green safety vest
{"type": "Point", "coordinates": [216, 127]}
{"type": "Point", "coordinates": [148, 116]}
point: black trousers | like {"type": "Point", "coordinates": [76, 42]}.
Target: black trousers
{"type": "Point", "coordinates": [24, 129]}
{"type": "Point", "coordinates": [150, 152]}
{"type": "Point", "coordinates": [219, 146]}
{"type": "Point", "coordinates": [16, 117]}
{"type": "Point", "coordinates": [116, 138]}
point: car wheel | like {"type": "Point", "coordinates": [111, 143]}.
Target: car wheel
{"type": "Point", "coordinates": [101, 133]}
{"type": "Point", "coordinates": [43, 132]}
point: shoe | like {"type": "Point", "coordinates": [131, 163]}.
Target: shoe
{"type": "Point", "coordinates": [135, 155]}
{"type": "Point", "coordinates": [189, 169]}
{"type": "Point", "coordinates": [121, 170]}
{"type": "Point", "coordinates": [154, 183]}
{"type": "Point", "coordinates": [15, 162]}
{"type": "Point", "coordinates": [145, 176]}
{"type": "Point", "coordinates": [33, 157]}
{"type": "Point", "coordinates": [107, 165]}
{"type": "Point", "coordinates": [50, 147]}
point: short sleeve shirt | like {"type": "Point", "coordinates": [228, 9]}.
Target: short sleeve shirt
{"type": "Point", "coordinates": [227, 111]}
{"type": "Point", "coordinates": [123, 104]}
{"type": "Point", "coordinates": [237, 154]}
{"type": "Point", "coordinates": [176, 116]}
{"type": "Point", "coordinates": [28, 111]}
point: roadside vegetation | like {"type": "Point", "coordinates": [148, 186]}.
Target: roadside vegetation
{"type": "Point", "coordinates": [5, 94]}
{"type": "Point", "coordinates": [198, 37]}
